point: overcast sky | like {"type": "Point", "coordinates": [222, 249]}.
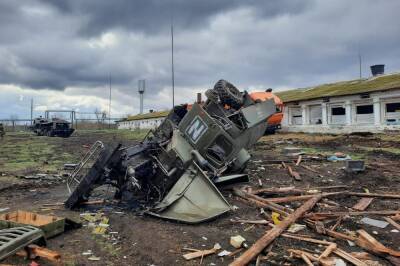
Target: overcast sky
{"type": "Point", "coordinates": [60, 53]}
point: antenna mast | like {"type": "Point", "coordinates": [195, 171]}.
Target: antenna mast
{"type": "Point", "coordinates": [172, 59]}
{"type": "Point", "coordinates": [109, 104]}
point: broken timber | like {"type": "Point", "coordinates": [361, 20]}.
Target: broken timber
{"type": "Point", "coordinates": [303, 197]}
{"type": "Point", "coordinates": [362, 204]}
{"type": "Point", "coordinates": [270, 236]}
{"type": "Point", "coordinates": [324, 215]}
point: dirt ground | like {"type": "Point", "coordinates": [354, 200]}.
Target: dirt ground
{"type": "Point", "coordinates": [134, 239]}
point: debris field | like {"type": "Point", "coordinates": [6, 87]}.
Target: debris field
{"type": "Point", "coordinates": [299, 208]}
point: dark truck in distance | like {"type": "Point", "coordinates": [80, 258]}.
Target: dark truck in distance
{"type": "Point", "coordinates": [54, 127]}
{"type": "Point", "coordinates": [175, 171]}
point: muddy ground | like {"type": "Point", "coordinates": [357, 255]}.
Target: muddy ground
{"type": "Point", "coordinates": [142, 240]}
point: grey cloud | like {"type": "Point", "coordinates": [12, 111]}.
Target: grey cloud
{"type": "Point", "coordinates": [154, 16]}
{"type": "Point", "coordinates": [45, 44]}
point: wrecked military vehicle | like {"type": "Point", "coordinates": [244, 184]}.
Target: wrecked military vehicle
{"type": "Point", "coordinates": [2, 131]}
{"type": "Point", "coordinates": [174, 172]}
{"type": "Point", "coordinates": [54, 127]}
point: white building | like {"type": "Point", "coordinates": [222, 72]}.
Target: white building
{"type": "Point", "coordinates": [366, 105]}
{"type": "Point", "coordinates": [143, 121]}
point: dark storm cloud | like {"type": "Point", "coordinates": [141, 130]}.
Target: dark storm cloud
{"type": "Point", "coordinates": [50, 44]}
{"type": "Point", "coordinates": [153, 16]}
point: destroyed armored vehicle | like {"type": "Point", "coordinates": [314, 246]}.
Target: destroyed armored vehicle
{"type": "Point", "coordinates": [54, 127]}
{"type": "Point", "coordinates": [2, 131]}
{"type": "Point", "coordinates": [175, 171]}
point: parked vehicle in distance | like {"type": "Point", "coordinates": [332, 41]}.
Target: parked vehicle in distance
{"type": "Point", "coordinates": [54, 127]}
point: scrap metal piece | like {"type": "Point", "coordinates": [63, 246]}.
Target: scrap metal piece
{"type": "Point", "coordinates": [354, 166]}
{"type": "Point", "coordinates": [74, 177]}
{"type": "Point", "coordinates": [14, 239]}
{"type": "Point", "coordinates": [97, 172]}
{"type": "Point", "coordinates": [193, 199]}
{"type": "Point", "coordinates": [231, 179]}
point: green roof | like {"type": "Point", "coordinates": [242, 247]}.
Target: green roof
{"type": "Point", "coordinates": [147, 116]}
{"type": "Point", "coordinates": [379, 83]}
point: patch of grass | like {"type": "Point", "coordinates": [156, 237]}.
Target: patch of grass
{"type": "Point", "coordinates": [122, 133]}
{"type": "Point", "coordinates": [21, 151]}
{"type": "Point", "coordinates": [133, 134]}
{"type": "Point", "coordinates": [390, 149]}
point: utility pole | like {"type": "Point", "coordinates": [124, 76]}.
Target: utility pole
{"type": "Point", "coordinates": [31, 111]}
{"type": "Point", "coordinates": [172, 59]}
{"type": "Point", "coordinates": [359, 60]}
{"type": "Point", "coordinates": [109, 104]}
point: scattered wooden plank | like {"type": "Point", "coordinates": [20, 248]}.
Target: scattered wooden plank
{"type": "Point", "coordinates": [368, 242]}
{"type": "Point", "coordinates": [33, 251]}
{"type": "Point", "coordinates": [44, 253]}
{"type": "Point", "coordinates": [395, 217]}
{"type": "Point", "coordinates": [327, 201]}
{"type": "Point", "coordinates": [328, 251]}
{"type": "Point", "coordinates": [294, 174]}
{"type": "Point", "coordinates": [347, 256]}
{"type": "Point", "coordinates": [261, 202]}
{"type": "Point", "coordinates": [302, 197]}
{"type": "Point", "coordinates": [298, 160]}
{"type": "Point", "coordinates": [389, 220]}
{"type": "Point", "coordinates": [338, 222]}
{"type": "Point", "coordinates": [306, 259]}
{"type": "Point", "coordinates": [309, 169]}
{"type": "Point", "coordinates": [233, 253]}
{"type": "Point", "coordinates": [339, 235]}
{"type": "Point", "coordinates": [375, 195]}
{"type": "Point", "coordinates": [298, 253]}
{"type": "Point", "coordinates": [307, 239]}
{"type": "Point", "coordinates": [201, 253]}
{"type": "Point", "coordinates": [270, 236]}
{"type": "Point", "coordinates": [362, 204]}
{"type": "Point", "coordinates": [250, 221]}
{"type": "Point", "coordinates": [278, 190]}
{"type": "Point", "coordinates": [324, 215]}
{"type": "Point", "coordinates": [293, 190]}
{"type": "Point", "coordinates": [361, 255]}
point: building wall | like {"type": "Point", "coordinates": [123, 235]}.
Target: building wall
{"type": "Point", "coordinates": [150, 123]}
{"type": "Point", "coordinates": [375, 112]}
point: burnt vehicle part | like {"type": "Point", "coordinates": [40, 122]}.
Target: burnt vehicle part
{"type": "Point", "coordinates": [54, 127]}
{"type": "Point", "coordinates": [174, 171]}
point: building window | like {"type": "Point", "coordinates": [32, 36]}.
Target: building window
{"type": "Point", "coordinates": [315, 114]}
{"type": "Point", "coordinates": [337, 114]}
{"type": "Point", "coordinates": [393, 107]}
{"type": "Point", "coordinates": [338, 110]}
{"type": "Point", "coordinates": [364, 114]}
{"type": "Point", "coordinates": [365, 109]}
{"type": "Point", "coordinates": [392, 114]}
{"type": "Point", "coordinates": [296, 116]}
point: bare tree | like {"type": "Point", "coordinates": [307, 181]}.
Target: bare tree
{"type": "Point", "coordinates": [98, 114]}
{"type": "Point", "coordinates": [13, 119]}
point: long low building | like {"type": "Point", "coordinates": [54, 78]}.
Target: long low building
{"type": "Point", "coordinates": [142, 121]}
{"type": "Point", "coordinates": [362, 105]}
